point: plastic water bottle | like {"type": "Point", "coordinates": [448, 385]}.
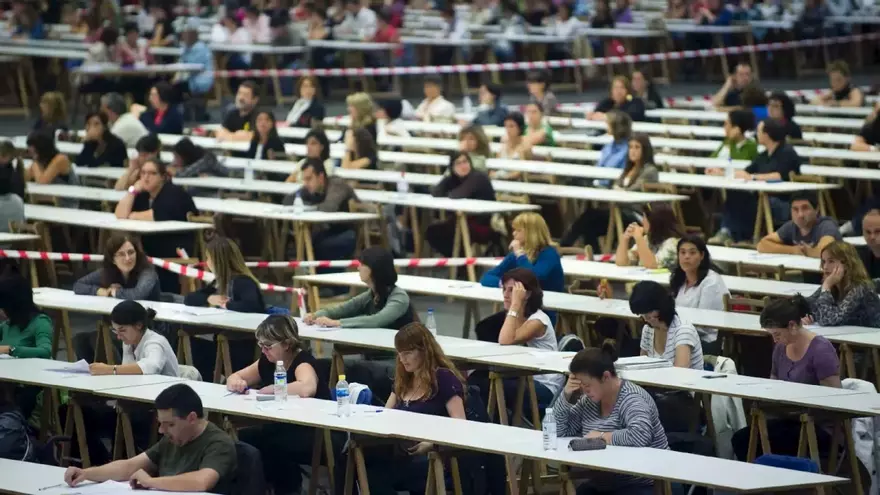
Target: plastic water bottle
{"type": "Point", "coordinates": [467, 104]}
{"type": "Point", "coordinates": [248, 171]}
{"type": "Point", "coordinates": [431, 323]}
{"type": "Point", "coordinates": [402, 184]}
{"type": "Point", "coordinates": [298, 205]}
{"type": "Point", "coordinates": [280, 382]}
{"type": "Point", "coordinates": [548, 428]}
{"type": "Point", "coordinates": [729, 172]}
{"type": "Point", "coordinates": [343, 398]}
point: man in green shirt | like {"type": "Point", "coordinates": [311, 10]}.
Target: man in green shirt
{"type": "Point", "coordinates": [194, 455]}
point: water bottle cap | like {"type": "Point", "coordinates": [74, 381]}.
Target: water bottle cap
{"type": "Point", "coordinates": [279, 363]}
{"type": "Point", "coordinates": [430, 310]}
{"type": "Point", "coordinates": [341, 377]}
{"type": "Point", "coordinates": [548, 412]}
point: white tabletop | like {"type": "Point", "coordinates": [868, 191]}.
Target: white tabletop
{"type": "Point", "coordinates": [102, 220]}
{"type": "Point", "coordinates": [751, 257]}
{"type": "Point", "coordinates": [6, 237]}
{"type": "Point", "coordinates": [856, 241]}
{"type": "Point", "coordinates": [48, 372]}
{"type": "Point", "coordinates": [673, 113]}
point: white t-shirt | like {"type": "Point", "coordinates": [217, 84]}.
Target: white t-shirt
{"type": "Point", "coordinates": [680, 333]}
{"type": "Point", "coordinates": [129, 129]}
{"type": "Point", "coordinates": [709, 294]}
{"type": "Point", "coordinates": [437, 110]}
{"type": "Point", "coordinates": [153, 354]}
{"type": "Point", "coordinates": [299, 107]}
{"type": "Point", "coordinates": [547, 342]}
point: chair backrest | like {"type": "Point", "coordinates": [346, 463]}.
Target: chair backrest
{"type": "Point", "coordinates": [744, 304]}
{"type": "Point", "coordinates": [249, 478]}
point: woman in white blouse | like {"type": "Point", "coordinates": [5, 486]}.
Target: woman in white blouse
{"type": "Point", "coordinates": [694, 284]}
{"type": "Point", "coordinates": [665, 335]}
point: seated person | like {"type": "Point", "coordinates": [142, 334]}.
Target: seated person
{"type": "Point", "coordinates": [147, 148]}
{"type": "Point", "coordinates": [435, 108]}
{"type": "Point", "coordinates": [26, 332]}
{"type": "Point", "coordinates": [531, 248]}
{"type": "Point", "coordinates": [284, 446]}
{"type": "Point", "coordinates": [596, 403]}
{"type": "Point", "coordinates": [799, 356]}
{"type": "Point", "coordinates": [870, 252]}
{"type": "Point", "coordinates": [360, 150]}
{"type": "Point", "coordinates": [621, 99]}
{"type": "Point", "coordinates": [639, 170]}
{"type": "Point", "coordinates": [729, 94]}
{"type": "Point", "coordinates": [775, 163]}
{"type": "Point", "coordinates": [614, 153]}
{"type": "Point", "coordinates": [11, 203]}
{"type": "Point", "coordinates": [49, 166]}
{"type": "Point", "coordinates": [781, 109]}
{"type": "Point", "coordinates": [234, 287]}
{"type": "Point", "coordinates": [144, 352]}
{"type": "Point", "coordinates": [754, 98]}
{"type": "Point", "coordinates": [537, 132]}
{"type": "Point", "coordinates": [512, 145]}
{"type": "Point", "coordinates": [695, 284]}
{"type": "Point", "coordinates": [123, 124]}
{"type": "Point", "coordinates": [645, 89]}
{"type": "Point", "coordinates": [317, 147]}
{"type": "Point", "coordinates": [654, 239]}
{"type": "Point", "coordinates": [847, 295]}
{"type": "Point", "coordinates": [525, 323]}
{"type": "Point", "coordinates": [100, 147]}
{"type": "Point", "coordinates": [473, 141]}
{"type": "Point", "coordinates": [492, 111]}
{"type": "Point", "coordinates": [462, 181]}
{"type": "Point", "coordinates": [266, 144]}
{"type": "Point", "coordinates": [193, 454]}
{"type": "Point", "coordinates": [384, 305]}
{"type": "Point", "coordinates": [307, 110]}
{"type": "Point", "coordinates": [538, 86]}
{"type": "Point", "coordinates": [843, 93]}
{"type": "Point", "coordinates": [154, 198]}
{"type": "Point", "coordinates": [390, 118]}
{"type": "Point", "coordinates": [665, 335]}
{"type": "Point", "coordinates": [806, 233]}
{"type": "Point", "coordinates": [869, 137]}
{"type": "Point", "coordinates": [425, 382]}
{"type": "Point", "coordinates": [163, 117]}
{"type": "Point", "coordinates": [362, 113]}
{"type": "Point", "coordinates": [238, 123]}
{"type": "Point", "coordinates": [736, 145]}
{"type": "Point", "coordinates": [191, 160]}
{"type": "Point", "coordinates": [53, 114]}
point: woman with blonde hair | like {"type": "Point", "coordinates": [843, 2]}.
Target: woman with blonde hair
{"type": "Point", "coordinates": [361, 111]}
{"type": "Point", "coordinates": [472, 139]}
{"type": "Point", "coordinates": [234, 286]}
{"type": "Point", "coordinates": [425, 382]}
{"type": "Point", "coordinates": [53, 113]}
{"type": "Point", "coordinates": [847, 294]}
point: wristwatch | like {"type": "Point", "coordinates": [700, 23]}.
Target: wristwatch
{"type": "Point", "coordinates": [512, 313]}
{"type": "Point", "coordinates": [11, 350]}
{"type": "Point", "coordinates": [114, 369]}
{"type": "Point", "coordinates": [132, 190]}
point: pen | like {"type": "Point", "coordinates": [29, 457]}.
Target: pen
{"type": "Point", "coordinates": [59, 485]}
{"type": "Point", "coordinates": [236, 393]}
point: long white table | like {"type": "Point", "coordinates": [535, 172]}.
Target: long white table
{"type": "Point", "coordinates": [6, 237]}
{"type": "Point", "coordinates": [768, 260]}
{"type": "Point", "coordinates": [713, 116]}
{"type": "Point", "coordinates": [107, 221]}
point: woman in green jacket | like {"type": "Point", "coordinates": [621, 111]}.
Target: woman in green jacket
{"type": "Point", "coordinates": [26, 332]}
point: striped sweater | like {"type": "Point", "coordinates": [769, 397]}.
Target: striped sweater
{"type": "Point", "coordinates": [634, 421]}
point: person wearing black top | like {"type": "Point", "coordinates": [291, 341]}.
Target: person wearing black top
{"type": "Point", "coordinates": [266, 144]}
{"type": "Point", "coordinates": [842, 93]}
{"type": "Point", "coordinates": [234, 287]}
{"type": "Point", "coordinates": [645, 89]}
{"type": "Point", "coordinates": [154, 198]}
{"type": "Point", "coordinates": [238, 123]}
{"type": "Point", "coordinates": [163, 32]}
{"type": "Point", "coordinates": [360, 149]}
{"type": "Point", "coordinates": [621, 99]}
{"type": "Point", "coordinates": [775, 163]}
{"type": "Point", "coordinates": [284, 446]}
{"type": "Point", "coordinates": [101, 148]}
{"type": "Point", "coordinates": [307, 110]}
{"type": "Point", "coordinates": [869, 137]}
{"type": "Point", "coordinates": [781, 109]}
{"type": "Point", "coordinates": [730, 94]}
{"type": "Point", "coordinates": [163, 117]}
{"type": "Point", "coordinates": [870, 252]}
{"type": "Point", "coordinates": [462, 181]}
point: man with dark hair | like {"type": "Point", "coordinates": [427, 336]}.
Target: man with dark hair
{"type": "Point", "coordinates": [193, 455]}
{"type": "Point", "coordinates": [775, 163]}
{"type": "Point", "coordinates": [736, 145]}
{"type": "Point", "coordinates": [239, 122]}
{"type": "Point", "coordinates": [806, 233]}
{"type": "Point", "coordinates": [730, 94]}
{"type": "Point", "coordinates": [870, 252]}
{"type": "Point", "coordinates": [781, 109]}
{"type": "Point", "coordinates": [491, 111]}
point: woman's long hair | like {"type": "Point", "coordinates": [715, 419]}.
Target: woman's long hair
{"type": "Point", "coordinates": [363, 103]}
{"type": "Point", "coordinates": [854, 273]}
{"type": "Point", "coordinates": [228, 263]}
{"type": "Point", "coordinates": [380, 261]}
{"type": "Point", "coordinates": [110, 274]}
{"type": "Point", "coordinates": [647, 155]}
{"type": "Point", "coordinates": [17, 299]}
{"type": "Point", "coordinates": [663, 224]}
{"type": "Point", "coordinates": [416, 337]}
{"type": "Point", "coordinates": [273, 131]}
{"type": "Point", "coordinates": [678, 277]}
{"type": "Point", "coordinates": [482, 141]}
{"type": "Point", "coordinates": [537, 233]}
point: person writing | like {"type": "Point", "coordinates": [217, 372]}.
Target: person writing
{"type": "Point", "coordinates": [234, 287]}
{"type": "Point", "coordinates": [194, 455]}
{"type": "Point", "coordinates": [284, 446]}
{"type": "Point", "coordinates": [26, 332]}
{"type": "Point", "coordinates": [596, 403]}
{"type": "Point", "coordinates": [847, 295]}
{"type": "Point", "coordinates": [806, 233]}
{"type": "Point", "coordinates": [665, 335]}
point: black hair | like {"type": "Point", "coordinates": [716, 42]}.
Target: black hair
{"type": "Point", "coordinates": [744, 119]}
{"type": "Point", "coordinates": [252, 9]}
{"type": "Point", "coordinates": [165, 91]}
{"type": "Point", "coordinates": [380, 261]}
{"type": "Point", "coordinates": [129, 27]}
{"type": "Point", "coordinates": [753, 96]}
{"type": "Point", "coordinates": [495, 89]}
{"type": "Point", "coordinates": [531, 284]}
{"type": "Point", "coordinates": [452, 159]}
{"type": "Point", "coordinates": [321, 136]}
{"type": "Point", "coordinates": [539, 76]}
{"type": "Point", "coordinates": [110, 273]}
{"type": "Point", "coordinates": [279, 20]}
{"type": "Point", "coordinates": [17, 299]}
{"type": "Point", "coordinates": [315, 164]}
{"type": "Point", "coordinates": [385, 16]}
{"type": "Point", "coordinates": [251, 85]}
{"type": "Point", "coordinates": [775, 130]}
{"type": "Point", "coordinates": [233, 18]}
{"type": "Point", "coordinates": [780, 312]}
{"type": "Point", "coordinates": [43, 142]}
{"type": "Point", "coordinates": [188, 151]}
{"type": "Point", "coordinates": [788, 108]}
{"type": "Point", "coordinates": [594, 362]}
{"type": "Point", "coordinates": [647, 154]}
{"type": "Point", "coordinates": [131, 313]}
{"type": "Point", "coordinates": [181, 399]}
{"type": "Point", "coordinates": [7, 180]}
{"type": "Point", "coordinates": [517, 119]}
{"type": "Point", "coordinates": [273, 131]}
{"type": "Point", "coordinates": [648, 296]}
{"type": "Point", "coordinates": [109, 35]}
{"type": "Point", "coordinates": [537, 104]}
{"type": "Point", "coordinates": [808, 196]}
{"type": "Point", "coordinates": [678, 277]}
{"type": "Point", "coordinates": [433, 79]}
{"type": "Point", "coordinates": [148, 144]}
{"type": "Point", "coordinates": [365, 143]}
{"type": "Point", "coordinates": [105, 121]}
{"type": "Point", "coordinates": [393, 108]}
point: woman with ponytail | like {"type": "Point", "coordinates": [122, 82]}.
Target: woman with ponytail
{"type": "Point", "coordinates": [799, 356]}
{"type": "Point", "coordinates": [596, 403]}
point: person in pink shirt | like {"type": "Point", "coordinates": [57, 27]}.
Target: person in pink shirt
{"type": "Point", "coordinates": [258, 24]}
{"type": "Point", "coordinates": [132, 49]}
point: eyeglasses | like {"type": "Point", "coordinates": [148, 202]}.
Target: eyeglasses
{"type": "Point", "coordinates": [266, 345]}
{"type": "Point", "coordinates": [131, 253]}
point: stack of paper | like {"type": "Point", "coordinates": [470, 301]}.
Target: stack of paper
{"type": "Point", "coordinates": [640, 363]}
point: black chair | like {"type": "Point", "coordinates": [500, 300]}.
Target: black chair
{"type": "Point", "coordinates": [249, 478]}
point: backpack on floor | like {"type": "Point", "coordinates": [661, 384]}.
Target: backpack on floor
{"type": "Point", "coordinates": [15, 442]}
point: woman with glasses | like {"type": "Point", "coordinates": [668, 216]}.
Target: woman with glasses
{"type": "Point", "coordinates": [799, 356]}
{"type": "Point", "coordinates": [125, 274]}
{"type": "Point", "coordinates": [284, 446]}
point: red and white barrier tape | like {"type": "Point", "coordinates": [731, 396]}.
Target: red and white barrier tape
{"type": "Point", "coordinates": [549, 64]}
{"type": "Point", "coordinates": [403, 263]}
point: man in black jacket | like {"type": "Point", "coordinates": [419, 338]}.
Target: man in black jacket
{"type": "Point", "coordinates": [870, 253]}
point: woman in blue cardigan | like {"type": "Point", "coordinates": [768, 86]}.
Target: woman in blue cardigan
{"type": "Point", "coordinates": [531, 248]}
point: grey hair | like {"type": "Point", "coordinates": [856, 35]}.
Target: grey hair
{"type": "Point", "coordinates": [279, 329]}
{"type": "Point", "coordinates": [115, 102]}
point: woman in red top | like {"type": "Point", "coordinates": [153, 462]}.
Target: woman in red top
{"type": "Point", "coordinates": [387, 33]}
